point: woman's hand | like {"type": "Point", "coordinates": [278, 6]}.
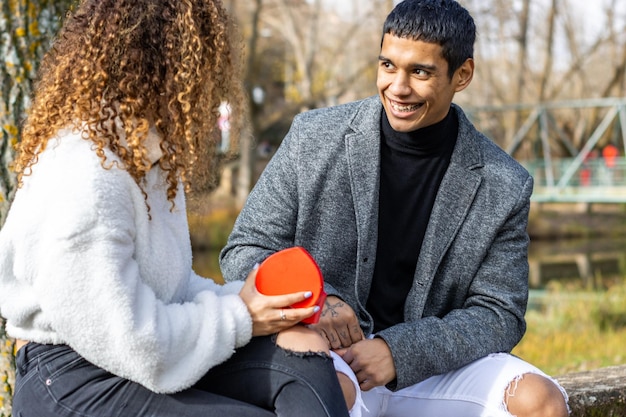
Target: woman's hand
{"type": "Point", "coordinates": [272, 313]}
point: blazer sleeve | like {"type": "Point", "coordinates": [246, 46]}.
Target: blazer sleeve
{"type": "Point", "coordinates": [291, 202]}
{"type": "Point", "coordinates": [267, 222]}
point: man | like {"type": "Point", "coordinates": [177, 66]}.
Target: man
{"type": "Point", "coordinates": [418, 223]}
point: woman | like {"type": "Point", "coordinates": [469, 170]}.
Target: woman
{"type": "Point", "coordinates": [95, 259]}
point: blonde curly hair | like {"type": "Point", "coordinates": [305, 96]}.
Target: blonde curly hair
{"type": "Point", "coordinates": [162, 63]}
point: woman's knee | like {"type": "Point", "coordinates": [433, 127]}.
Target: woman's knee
{"type": "Point", "coordinates": [302, 339]}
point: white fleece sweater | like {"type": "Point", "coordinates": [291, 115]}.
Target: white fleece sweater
{"type": "Point", "coordinates": [82, 264]}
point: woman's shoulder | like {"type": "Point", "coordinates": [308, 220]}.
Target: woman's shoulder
{"type": "Point", "coordinates": [70, 174]}
{"type": "Point", "coordinates": [69, 156]}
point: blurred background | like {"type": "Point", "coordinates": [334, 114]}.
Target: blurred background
{"type": "Point", "coordinates": [549, 88]}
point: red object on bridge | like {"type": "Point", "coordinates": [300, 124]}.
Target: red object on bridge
{"type": "Point", "coordinates": [610, 153]}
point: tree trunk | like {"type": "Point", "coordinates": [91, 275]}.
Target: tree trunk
{"type": "Point", "coordinates": [27, 29]}
{"type": "Point", "coordinates": [549, 59]}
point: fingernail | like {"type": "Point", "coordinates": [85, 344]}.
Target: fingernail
{"type": "Point", "coordinates": [308, 294]}
{"type": "Point", "coordinates": [256, 266]}
{"type": "Point", "coordinates": [316, 309]}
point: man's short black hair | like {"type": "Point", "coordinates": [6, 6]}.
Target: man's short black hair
{"type": "Point", "coordinates": [444, 22]}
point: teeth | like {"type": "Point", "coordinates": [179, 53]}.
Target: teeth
{"type": "Point", "coordinates": [400, 108]}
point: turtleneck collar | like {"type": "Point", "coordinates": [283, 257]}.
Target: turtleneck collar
{"type": "Point", "coordinates": [430, 140]}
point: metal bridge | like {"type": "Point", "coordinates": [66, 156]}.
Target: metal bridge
{"type": "Point", "coordinates": [584, 171]}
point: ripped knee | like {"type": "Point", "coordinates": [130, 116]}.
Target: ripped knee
{"type": "Point", "coordinates": [535, 395]}
{"type": "Point", "coordinates": [511, 389]}
{"type": "Point", "coordinates": [302, 339]}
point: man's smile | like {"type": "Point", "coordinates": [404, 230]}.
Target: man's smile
{"type": "Point", "coordinates": [403, 108]}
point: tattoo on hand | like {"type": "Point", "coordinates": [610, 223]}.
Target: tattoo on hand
{"type": "Point", "coordinates": [332, 308]}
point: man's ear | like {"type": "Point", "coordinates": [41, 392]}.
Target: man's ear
{"type": "Point", "coordinates": [464, 74]}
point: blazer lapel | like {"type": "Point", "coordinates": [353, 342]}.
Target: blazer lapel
{"type": "Point", "coordinates": [454, 199]}
{"type": "Point", "coordinates": [363, 154]}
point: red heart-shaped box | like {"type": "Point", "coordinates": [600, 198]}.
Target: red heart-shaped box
{"type": "Point", "coordinates": [292, 270]}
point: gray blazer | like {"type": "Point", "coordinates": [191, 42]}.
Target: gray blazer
{"type": "Point", "coordinates": [470, 287]}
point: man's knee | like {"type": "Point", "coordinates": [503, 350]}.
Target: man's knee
{"type": "Point", "coordinates": [534, 395]}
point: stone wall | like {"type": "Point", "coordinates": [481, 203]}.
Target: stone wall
{"type": "Point", "coordinates": [597, 393]}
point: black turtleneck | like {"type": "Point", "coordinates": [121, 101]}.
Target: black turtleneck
{"type": "Point", "coordinates": [411, 169]}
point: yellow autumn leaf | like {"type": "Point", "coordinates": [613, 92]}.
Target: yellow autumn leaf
{"type": "Point", "coordinates": [32, 48]}
{"type": "Point", "coordinates": [33, 28]}
{"type": "Point", "coordinates": [11, 129]}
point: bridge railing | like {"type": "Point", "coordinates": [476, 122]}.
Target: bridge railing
{"type": "Point", "coordinates": [593, 181]}
{"type": "Point", "coordinates": [568, 139]}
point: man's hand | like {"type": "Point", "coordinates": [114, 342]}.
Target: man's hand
{"type": "Point", "coordinates": [338, 324]}
{"type": "Point", "coordinates": [371, 361]}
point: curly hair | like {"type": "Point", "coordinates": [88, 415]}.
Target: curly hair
{"type": "Point", "coordinates": [162, 63]}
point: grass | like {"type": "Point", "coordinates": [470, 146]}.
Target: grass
{"type": "Point", "coordinates": [577, 330]}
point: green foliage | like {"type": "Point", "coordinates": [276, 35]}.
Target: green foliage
{"type": "Point", "coordinates": [611, 313]}
{"type": "Point", "coordinates": [210, 231]}
{"type": "Point", "coordinates": [577, 330]}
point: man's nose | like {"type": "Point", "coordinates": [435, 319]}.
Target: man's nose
{"type": "Point", "coordinates": [400, 85]}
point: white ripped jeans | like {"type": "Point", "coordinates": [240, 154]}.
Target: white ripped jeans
{"type": "Point", "coordinates": [475, 390]}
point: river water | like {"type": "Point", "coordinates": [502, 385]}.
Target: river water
{"type": "Point", "coordinates": [591, 264]}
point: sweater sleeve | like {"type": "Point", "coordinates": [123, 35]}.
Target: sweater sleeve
{"type": "Point", "coordinates": [86, 273]}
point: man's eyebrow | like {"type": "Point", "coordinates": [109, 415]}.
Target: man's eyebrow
{"type": "Point", "coordinates": [426, 67]}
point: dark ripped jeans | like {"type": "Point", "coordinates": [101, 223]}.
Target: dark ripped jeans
{"type": "Point", "coordinates": [260, 379]}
